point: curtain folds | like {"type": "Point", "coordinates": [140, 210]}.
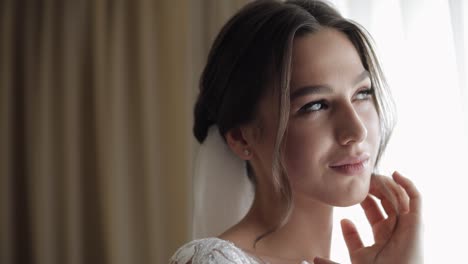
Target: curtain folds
{"type": "Point", "coordinates": [422, 44]}
{"type": "Point", "coordinates": [96, 147]}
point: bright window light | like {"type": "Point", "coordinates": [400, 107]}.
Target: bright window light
{"type": "Point", "coordinates": [417, 44]}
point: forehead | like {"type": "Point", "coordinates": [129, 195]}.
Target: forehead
{"type": "Point", "coordinates": [324, 57]}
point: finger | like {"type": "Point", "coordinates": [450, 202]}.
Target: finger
{"type": "Point", "coordinates": [415, 203]}
{"type": "Point", "coordinates": [381, 190]}
{"type": "Point", "coordinates": [389, 207]}
{"type": "Point", "coordinates": [319, 260]}
{"type": "Point", "coordinates": [372, 211]}
{"type": "Point", "coordinates": [404, 199]}
{"type": "Point", "coordinates": [351, 236]}
{"type": "Point", "coordinates": [399, 192]}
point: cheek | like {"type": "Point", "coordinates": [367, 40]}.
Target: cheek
{"type": "Point", "coordinates": [303, 148]}
{"type": "Point", "coordinates": [372, 122]}
{"type": "Point", "coordinates": [294, 155]}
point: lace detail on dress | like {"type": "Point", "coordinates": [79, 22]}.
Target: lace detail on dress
{"type": "Point", "coordinates": [211, 250]}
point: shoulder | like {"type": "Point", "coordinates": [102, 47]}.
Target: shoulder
{"type": "Point", "coordinates": [210, 250]}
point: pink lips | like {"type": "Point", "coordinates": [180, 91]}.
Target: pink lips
{"type": "Point", "coordinates": [351, 165]}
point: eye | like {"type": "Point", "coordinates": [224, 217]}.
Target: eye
{"type": "Point", "coordinates": [365, 94]}
{"type": "Point", "coordinates": [314, 106]}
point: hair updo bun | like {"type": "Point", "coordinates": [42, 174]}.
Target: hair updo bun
{"type": "Point", "coordinates": [246, 57]}
{"type": "Point", "coordinates": [202, 121]}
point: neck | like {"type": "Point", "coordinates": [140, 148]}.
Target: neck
{"type": "Point", "coordinates": [306, 235]}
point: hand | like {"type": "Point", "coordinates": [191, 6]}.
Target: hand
{"type": "Point", "coordinates": [398, 238]}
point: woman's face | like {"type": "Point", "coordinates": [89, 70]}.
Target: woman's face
{"type": "Point", "coordinates": [333, 131]}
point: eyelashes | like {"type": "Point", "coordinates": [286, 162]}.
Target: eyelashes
{"type": "Point", "coordinates": [322, 104]}
{"type": "Point", "coordinates": [314, 106]}
{"type": "Point", "coordinates": [366, 93]}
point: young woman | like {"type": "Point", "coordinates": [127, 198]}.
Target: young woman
{"type": "Point", "coordinates": [296, 91]}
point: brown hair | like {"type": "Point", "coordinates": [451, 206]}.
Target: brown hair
{"type": "Point", "coordinates": [252, 54]}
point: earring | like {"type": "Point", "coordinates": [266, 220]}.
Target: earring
{"type": "Point", "coordinates": [247, 152]}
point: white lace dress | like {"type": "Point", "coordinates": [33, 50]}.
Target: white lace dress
{"type": "Point", "coordinates": [213, 251]}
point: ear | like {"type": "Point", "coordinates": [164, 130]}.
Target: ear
{"type": "Point", "coordinates": [238, 140]}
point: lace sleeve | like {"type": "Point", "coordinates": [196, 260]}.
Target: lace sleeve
{"type": "Point", "coordinates": [210, 251]}
{"type": "Point", "coordinates": [183, 255]}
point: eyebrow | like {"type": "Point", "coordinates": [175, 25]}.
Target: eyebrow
{"type": "Point", "coordinates": [317, 89]}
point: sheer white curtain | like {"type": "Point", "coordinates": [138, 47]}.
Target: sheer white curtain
{"type": "Point", "coordinates": [422, 46]}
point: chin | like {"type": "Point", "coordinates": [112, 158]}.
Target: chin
{"type": "Point", "coordinates": [354, 195]}
{"type": "Point", "coordinates": [350, 200]}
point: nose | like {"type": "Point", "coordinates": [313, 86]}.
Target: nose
{"type": "Point", "coordinates": [350, 128]}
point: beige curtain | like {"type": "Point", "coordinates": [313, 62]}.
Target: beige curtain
{"type": "Point", "coordinates": [96, 148]}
